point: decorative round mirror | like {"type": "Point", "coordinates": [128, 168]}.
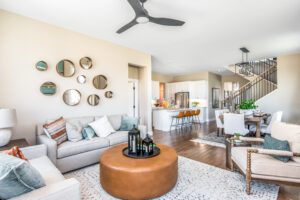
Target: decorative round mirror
{"type": "Point", "coordinates": [41, 66]}
{"type": "Point", "coordinates": [48, 88]}
{"type": "Point", "coordinates": [100, 82]}
{"type": "Point", "coordinates": [109, 94]}
{"type": "Point", "coordinates": [93, 100]}
{"type": "Point", "coordinates": [86, 63]}
{"type": "Point", "coordinates": [65, 68]}
{"type": "Point", "coordinates": [81, 79]}
{"type": "Point", "coordinates": [72, 97]}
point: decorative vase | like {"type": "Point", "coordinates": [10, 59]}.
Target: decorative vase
{"type": "Point", "coordinates": [5, 135]}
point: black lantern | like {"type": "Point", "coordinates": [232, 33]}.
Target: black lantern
{"type": "Point", "coordinates": [134, 139]}
{"type": "Point", "coordinates": [148, 146]}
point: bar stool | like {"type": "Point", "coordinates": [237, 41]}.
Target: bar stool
{"type": "Point", "coordinates": [187, 118]}
{"type": "Point", "coordinates": [193, 114]}
{"type": "Point", "coordinates": [178, 117]}
{"type": "Point", "coordinates": [196, 116]}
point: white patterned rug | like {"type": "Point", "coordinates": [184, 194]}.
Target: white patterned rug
{"type": "Point", "coordinates": [196, 181]}
{"type": "Point", "coordinates": [211, 139]}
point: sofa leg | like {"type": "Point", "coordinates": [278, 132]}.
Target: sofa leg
{"type": "Point", "coordinates": [248, 184]}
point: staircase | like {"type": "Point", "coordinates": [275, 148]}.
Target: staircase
{"type": "Point", "coordinates": [263, 81]}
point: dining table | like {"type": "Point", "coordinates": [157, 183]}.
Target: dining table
{"type": "Point", "coordinates": [255, 119]}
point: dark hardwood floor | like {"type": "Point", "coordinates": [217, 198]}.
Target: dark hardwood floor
{"type": "Point", "coordinates": [180, 141]}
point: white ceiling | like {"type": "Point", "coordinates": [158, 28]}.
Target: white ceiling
{"type": "Point", "coordinates": [210, 39]}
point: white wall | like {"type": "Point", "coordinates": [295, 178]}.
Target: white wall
{"type": "Point", "coordinates": [24, 41]}
{"type": "Point", "coordinates": [287, 96]}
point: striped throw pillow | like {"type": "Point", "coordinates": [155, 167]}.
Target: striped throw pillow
{"type": "Point", "coordinates": [56, 130]}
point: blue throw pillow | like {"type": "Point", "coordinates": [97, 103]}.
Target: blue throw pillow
{"type": "Point", "coordinates": [128, 122]}
{"type": "Point", "coordinates": [17, 177]}
{"type": "Point", "coordinates": [272, 143]}
{"type": "Point", "coordinates": [88, 133]}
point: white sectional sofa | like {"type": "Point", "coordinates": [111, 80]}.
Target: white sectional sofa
{"type": "Point", "coordinates": [57, 187]}
{"type": "Point", "coordinates": [73, 155]}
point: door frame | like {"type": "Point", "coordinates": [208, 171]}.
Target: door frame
{"type": "Point", "coordinates": [136, 96]}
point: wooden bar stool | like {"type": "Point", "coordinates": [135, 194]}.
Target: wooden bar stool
{"type": "Point", "coordinates": [179, 117]}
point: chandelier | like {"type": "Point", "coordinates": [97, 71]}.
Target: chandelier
{"type": "Point", "coordinates": [245, 67]}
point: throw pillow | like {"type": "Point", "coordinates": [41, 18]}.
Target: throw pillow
{"type": "Point", "coordinates": [88, 133]}
{"type": "Point", "coordinates": [102, 127]}
{"type": "Point", "coordinates": [17, 177]}
{"type": "Point", "coordinates": [56, 130]}
{"type": "Point", "coordinates": [272, 143]}
{"type": "Point", "coordinates": [16, 152]}
{"type": "Point", "coordinates": [74, 131]}
{"type": "Point", "coordinates": [128, 122]}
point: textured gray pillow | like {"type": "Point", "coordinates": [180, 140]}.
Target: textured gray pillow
{"type": "Point", "coordinates": [17, 177]}
{"type": "Point", "coordinates": [74, 131]}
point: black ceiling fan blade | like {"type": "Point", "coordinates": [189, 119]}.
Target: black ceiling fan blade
{"type": "Point", "coordinates": [137, 7]}
{"type": "Point", "coordinates": [127, 26]}
{"type": "Point", "coordinates": [166, 21]}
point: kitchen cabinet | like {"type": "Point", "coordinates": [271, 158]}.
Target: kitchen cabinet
{"type": "Point", "coordinates": [155, 90]}
{"type": "Point", "coordinates": [197, 89]}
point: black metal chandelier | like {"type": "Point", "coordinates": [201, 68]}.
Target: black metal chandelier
{"type": "Point", "coordinates": [245, 67]}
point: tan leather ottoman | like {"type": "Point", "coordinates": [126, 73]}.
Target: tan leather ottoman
{"type": "Point", "coordinates": [129, 178]}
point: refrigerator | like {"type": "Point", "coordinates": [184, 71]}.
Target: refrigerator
{"type": "Point", "coordinates": [182, 99]}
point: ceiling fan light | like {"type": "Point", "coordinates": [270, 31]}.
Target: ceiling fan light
{"type": "Point", "coordinates": [142, 20]}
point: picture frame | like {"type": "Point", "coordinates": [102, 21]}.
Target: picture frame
{"type": "Point", "coordinates": [215, 98]}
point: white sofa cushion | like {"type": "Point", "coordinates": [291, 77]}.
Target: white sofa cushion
{"type": "Point", "coordinates": [115, 121]}
{"type": "Point", "coordinates": [265, 164]}
{"type": "Point", "coordinates": [102, 127]}
{"type": "Point", "coordinates": [46, 168]}
{"type": "Point", "coordinates": [118, 137]}
{"type": "Point", "coordinates": [289, 132]}
{"type": "Point", "coordinates": [73, 148]}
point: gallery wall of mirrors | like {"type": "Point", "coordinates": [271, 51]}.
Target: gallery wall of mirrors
{"type": "Point", "coordinates": [67, 69]}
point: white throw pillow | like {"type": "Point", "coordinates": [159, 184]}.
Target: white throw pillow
{"type": "Point", "coordinates": [74, 131]}
{"type": "Point", "coordinates": [102, 127]}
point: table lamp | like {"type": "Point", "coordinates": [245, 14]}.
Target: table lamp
{"type": "Point", "coordinates": [8, 119]}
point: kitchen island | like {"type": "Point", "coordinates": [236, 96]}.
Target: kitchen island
{"type": "Point", "coordinates": [162, 117]}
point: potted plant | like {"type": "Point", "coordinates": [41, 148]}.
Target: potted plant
{"type": "Point", "coordinates": [247, 106]}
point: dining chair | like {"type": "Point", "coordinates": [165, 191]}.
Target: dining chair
{"type": "Point", "coordinates": [220, 125]}
{"type": "Point", "coordinates": [234, 123]}
{"type": "Point", "coordinates": [266, 128]}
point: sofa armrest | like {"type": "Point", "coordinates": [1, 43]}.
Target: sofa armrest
{"type": "Point", "coordinates": [51, 146]}
{"type": "Point", "coordinates": [68, 189]}
{"type": "Point", "coordinates": [272, 152]}
{"type": "Point", "coordinates": [35, 151]}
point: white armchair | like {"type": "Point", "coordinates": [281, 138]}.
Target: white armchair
{"type": "Point", "coordinates": [220, 125]}
{"type": "Point", "coordinates": [57, 187]}
{"type": "Point", "coordinates": [258, 163]}
{"type": "Point", "coordinates": [234, 123]}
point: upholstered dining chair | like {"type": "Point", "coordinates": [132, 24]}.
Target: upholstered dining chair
{"type": "Point", "coordinates": [220, 125]}
{"type": "Point", "coordinates": [259, 163]}
{"type": "Point", "coordinates": [266, 128]}
{"type": "Point", "coordinates": [234, 123]}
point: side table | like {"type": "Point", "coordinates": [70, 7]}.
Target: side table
{"type": "Point", "coordinates": [18, 142]}
{"type": "Point", "coordinates": [230, 142]}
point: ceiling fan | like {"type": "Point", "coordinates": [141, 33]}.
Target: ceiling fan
{"type": "Point", "coordinates": [142, 17]}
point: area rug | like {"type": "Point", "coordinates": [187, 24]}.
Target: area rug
{"type": "Point", "coordinates": [211, 139]}
{"type": "Point", "coordinates": [196, 181]}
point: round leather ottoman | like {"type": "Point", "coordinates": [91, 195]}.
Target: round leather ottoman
{"type": "Point", "coordinates": [129, 178]}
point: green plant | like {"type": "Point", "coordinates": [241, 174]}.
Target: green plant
{"type": "Point", "coordinates": [248, 104]}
